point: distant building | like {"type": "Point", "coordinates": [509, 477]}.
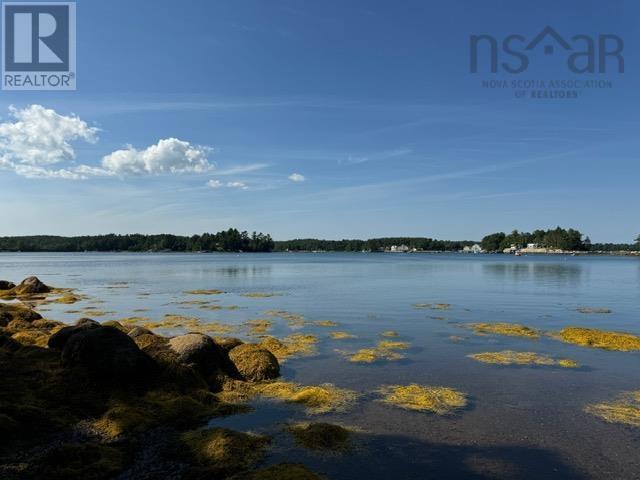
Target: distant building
{"type": "Point", "coordinates": [533, 245]}
{"type": "Point", "coordinates": [475, 248]}
{"type": "Point", "coordinates": [399, 248]}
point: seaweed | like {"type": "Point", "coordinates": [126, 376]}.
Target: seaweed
{"type": "Point", "coordinates": [510, 357]}
{"type": "Point", "coordinates": [625, 409]}
{"type": "Point", "coordinates": [502, 328]}
{"type": "Point", "coordinates": [434, 399]}
{"type": "Point", "coordinates": [595, 338]}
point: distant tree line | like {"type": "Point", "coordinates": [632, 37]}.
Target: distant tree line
{"type": "Point", "coordinates": [557, 238]}
{"type": "Point", "coordinates": [373, 244]}
{"type": "Point", "coordinates": [230, 240]}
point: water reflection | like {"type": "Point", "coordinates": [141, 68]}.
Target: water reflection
{"type": "Point", "coordinates": [563, 273]}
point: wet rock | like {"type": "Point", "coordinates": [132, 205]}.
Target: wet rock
{"type": "Point", "coordinates": [58, 340]}
{"type": "Point", "coordinates": [254, 363]}
{"type": "Point", "coordinates": [6, 285]}
{"type": "Point", "coordinates": [201, 351]}
{"type": "Point", "coordinates": [228, 343]}
{"type": "Point", "coordinates": [138, 331]}
{"type": "Point", "coordinates": [116, 324]}
{"type": "Point", "coordinates": [30, 286]}
{"type": "Point", "coordinates": [13, 311]}
{"type": "Point", "coordinates": [106, 353]}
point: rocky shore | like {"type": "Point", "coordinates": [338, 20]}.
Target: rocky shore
{"type": "Point", "coordinates": [108, 400]}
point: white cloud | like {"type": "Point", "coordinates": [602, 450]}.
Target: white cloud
{"type": "Point", "coordinates": [296, 177]}
{"type": "Point", "coordinates": [169, 155]}
{"type": "Point", "coordinates": [39, 136]}
{"type": "Point", "coordinates": [219, 184]}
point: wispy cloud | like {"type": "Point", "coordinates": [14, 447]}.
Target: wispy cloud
{"type": "Point", "coordinates": [296, 177]}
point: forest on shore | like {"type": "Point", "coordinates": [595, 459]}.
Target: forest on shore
{"type": "Point", "coordinates": [234, 240]}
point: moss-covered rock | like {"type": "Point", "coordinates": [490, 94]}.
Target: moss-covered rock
{"type": "Point", "coordinates": [224, 451]}
{"type": "Point", "coordinates": [254, 363]}
{"type": "Point", "coordinates": [31, 286]}
{"type": "Point", "coordinates": [321, 436]}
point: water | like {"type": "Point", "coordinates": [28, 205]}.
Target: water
{"type": "Point", "coordinates": [522, 422]}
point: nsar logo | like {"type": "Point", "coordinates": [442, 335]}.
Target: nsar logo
{"type": "Point", "coordinates": [585, 54]}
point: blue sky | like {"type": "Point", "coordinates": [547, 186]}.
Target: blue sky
{"type": "Point", "coordinates": [324, 119]}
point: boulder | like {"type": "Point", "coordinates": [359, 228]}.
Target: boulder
{"type": "Point", "coordinates": [30, 286]}
{"type": "Point", "coordinates": [137, 331]}
{"type": "Point", "coordinates": [227, 343]}
{"type": "Point", "coordinates": [16, 311]}
{"type": "Point", "coordinates": [106, 354]}
{"type": "Point", "coordinates": [6, 285]}
{"type": "Point", "coordinates": [58, 340]}
{"type": "Point", "coordinates": [117, 324]}
{"type": "Point", "coordinates": [254, 363]}
{"type": "Point", "coordinates": [200, 351]}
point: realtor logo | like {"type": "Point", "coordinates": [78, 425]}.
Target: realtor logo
{"type": "Point", "coordinates": [38, 46]}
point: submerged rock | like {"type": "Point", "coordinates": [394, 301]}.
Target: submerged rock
{"type": "Point", "coordinates": [106, 353]}
{"type": "Point", "coordinates": [254, 363]}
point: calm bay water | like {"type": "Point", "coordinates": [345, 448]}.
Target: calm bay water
{"type": "Point", "coordinates": [522, 422]}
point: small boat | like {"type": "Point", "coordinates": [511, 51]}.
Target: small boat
{"type": "Point", "coordinates": [518, 253]}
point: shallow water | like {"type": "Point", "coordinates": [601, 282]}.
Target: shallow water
{"type": "Point", "coordinates": [522, 422]}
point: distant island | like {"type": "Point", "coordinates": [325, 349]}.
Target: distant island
{"type": "Point", "coordinates": [233, 240]}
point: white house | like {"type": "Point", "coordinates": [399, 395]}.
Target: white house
{"type": "Point", "coordinates": [399, 248]}
{"type": "Point", "coordinates": [472, 249]}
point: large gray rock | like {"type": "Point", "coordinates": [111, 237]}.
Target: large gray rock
{"type": "Point", "coordinates": [30, 286]}
{"type": "Point", "coordinates": [254, 363]}
{"type": "Point", "coordinates": [200, 351]}
{"type": "Point", "coordinates": [107, 354]}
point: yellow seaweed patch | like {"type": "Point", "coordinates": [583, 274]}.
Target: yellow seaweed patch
{"type": "Point", "coordinates": [593, 310]}
{"type": "Point", "coordinates": [258, 326]}
{"type": "Point", "coordinates": [625, 409]}
{"type": "Point", "coordinates": [321, 436]}
{"type": "Point", "coordinates": [341, 335]}
{"type": "Point", "coordinates": [595, 338]}
{"type": "Point", "coordinates": [510, 357]}
{"type": "Point", "coordinates": [389, 333]}
{"type": "Point", "coordinates": [316, 399]}
{"type": "Point", "coordinates": [293, 319]}
{"type": "Point", "coordinates": [325, 323]}
{"type": "Point", "coordinates": [440, 400]}
{"type": "Point", "coordinates": [370, 355]}
{"type": "Point", "coordinates": [260, 295]}
{"type": "Point", "coordinates": [393, 345]}
{"type": "Point", "coordinates": [31, 337]}
{"type": "Point", "coordinates": [290, 346]}
{"type": "Point", "coordinates": [191, 324]}
{"type": "Point", "coordinates": [90, 312]}
{"type": "Point", "coordinates": [225, 450]}
{"type": "Point", "coordinates": [433, 306]}
{"type": "Point", "coordinates": [510, 329]}
{"type": "Point", "coordinates": [205, 292]}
